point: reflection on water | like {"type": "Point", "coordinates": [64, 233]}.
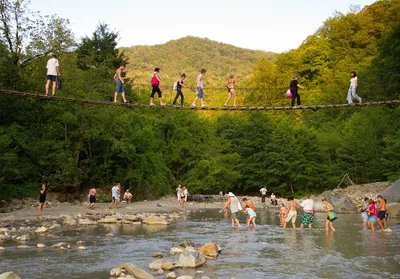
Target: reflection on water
{"type": "Point", "coordinates": [267, 251]}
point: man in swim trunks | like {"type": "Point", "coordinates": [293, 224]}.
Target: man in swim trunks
{"type": "Point", "coordinates": [292, 215]}
{"type": "Point", "coordinates": [231, 90]}
{"type": "Point", "coordinates": [119, 87]}
{"type": "Point", "coordinates": [309, 216]}
{"type": "Point", "coordinates": [382, 210]}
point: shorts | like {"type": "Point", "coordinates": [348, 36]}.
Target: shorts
{"type": "Point", "coordinates": [92, 198]}
{"type": "Point", "coordinates": [156, 89]}
{"type": "Point", "coordinates": [364, 217]}
{"type": "Point", "coordinates": [372, 219]}
{"type": "Point", "coordinates": [114, 198]}
{"type": "Point", "coordinates": [42, 199]}
{"type": "Point", "coordinates": [308, 218]}
{"type": "Point", "coordinates": [119, 88]}
{"type": "Point", "coordinates": [234, 215]}
{"type": "Point", "coordinates": [382, 214]}
{"type": "Point", "coordinates": [52, 78]}
{"type": "Point", "coordinates": [200, 93]}
{"type": "Point", "coordinates": [291, 217]}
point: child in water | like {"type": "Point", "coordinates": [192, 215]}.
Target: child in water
{"type": "Point", "coordinates": [252, 216]}
{"type": "Point", "coordinates": [283, 211]}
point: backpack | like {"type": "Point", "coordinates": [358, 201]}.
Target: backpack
{"type": "Point", "coordinates": [175, 87]}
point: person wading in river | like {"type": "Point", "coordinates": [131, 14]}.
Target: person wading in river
{"type": "Point", "coordinates": [115, 191]}
{"type": "Point", "coordinates": [331, 215]}
{"type": "Point", "coordinates": [235, 207]}
{"type": "Point", "coordinates": [364, 215]}
{"type": "Point", "coordinates": [292, 215]}
{"type": "Point", "coordinates": [309, 216]}
{"type": "Point", "coordinates": [382, 211]}
{"type": "Point", "coordinates": [92, 198]}
{"type": "Point", "coordinates": [250, 205]}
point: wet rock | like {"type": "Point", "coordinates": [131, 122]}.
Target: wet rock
{"type": "Point", "coordinates": [108, 220]}
{"type": "Point", "coordinates": [40, 245]}
{"type": "Point", "coordinates": [82, 248]}
{"type": "Point", "coordinates": [155, 220]}
{"type": "Point", "coordinates": [137, 272]}
{"type": "Point", "coordinates": [160, 271]}
{"type": "Point", "coordinates": [109, 235]}
{"type": "Point", "coordinates": [41, 230]}
{"type": "Point", "coordinates": [59, 245]}
{"type": "Point", "coordinates": [397, 258]}
{"type": "Point", "coordinates": [80, 242]}
{"type": "Point", "coordinates": [338, 198]}
{"type": "Point", "coordinates": [22, 247]}
{"type": "Point", "coordinates": [205, 277]}
{"type": "Point", "coordinates": [209, 250]}
{"type": "Point", "coordinates": [63, 248]}
{"type": "Point", "coordinates": [23, 238]}
{"type": "Point", "coordinates": [2, 248]}
{"type": "Point", "coordinates": [157, 255]}
{"type": "Point", "coordinates": [9, 275]}
{"type": "Point", "coordinates": [185, 244]}
{"type": "Point", "coordinates": [185, 277]}
{"type": "Point", "coordinates": [191, 258]}
{"type": "Point", "coordinates": [132, 218]}
{"type": "Point", "coordinates": [70, 222]}
{"type": "Point", "coordinates": [394, 210]}
{"type": "Point", "coordinates": [176, 250]}
{"type": "Point", "coordinates": [171, 275]}
{"type": "Point", "coordinates": [87, 222]}
{"type": "Point", "coordinates": [168, 266]}
{"type": "Point", "coordinates": [156, 265]}
{"type": "Point", "coordinates": [115, 272]}
{"type": "Point", "coordinates": [199, 272]}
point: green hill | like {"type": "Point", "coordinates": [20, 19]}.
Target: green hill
{"type": "Point", "coordinates": [189, 55]}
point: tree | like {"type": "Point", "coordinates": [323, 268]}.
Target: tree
{"type": "Point", "coordinates": [29, 35]}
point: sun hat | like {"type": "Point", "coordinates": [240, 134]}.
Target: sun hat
{"type": "Point", "coordinates": [230, 194]}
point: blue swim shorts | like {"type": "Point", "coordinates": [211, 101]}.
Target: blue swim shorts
{"type": "Point", "coordinates": [200, 93]}
{"type": "Point", "coordinates": [120, 88]}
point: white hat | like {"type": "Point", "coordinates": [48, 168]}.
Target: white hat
{"type": "Point", "coordinates": [230, 194]}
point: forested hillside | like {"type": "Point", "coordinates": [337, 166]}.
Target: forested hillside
{"type": "Point", "coordinates": [189, 55]}
{"type": "Point", "coordinates": [71, 147]}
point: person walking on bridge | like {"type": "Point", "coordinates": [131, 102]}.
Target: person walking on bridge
{"type": "Point", "coordinates": [294, 87]}
{"type": "Point", "coordinates": [155, 84]}
{"type": "Point", "coordinates": [119, 84]}
{"type": "Point", "coordinates": [352, 93]}
{"type": "Point", "coordinates": [53, 72]}
{"type": "Point", "coordinates": [200, 93]}
{"type": "Point", "coordinates": [231, 90]}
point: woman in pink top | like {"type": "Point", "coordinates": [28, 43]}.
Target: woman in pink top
{"type": "Point", "coordinates": [373, 214]}
{"type": "Point", "coordinates": [155, 84]}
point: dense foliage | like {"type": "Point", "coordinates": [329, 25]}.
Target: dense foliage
{"type": "Point", "coordinates": [71, 147]}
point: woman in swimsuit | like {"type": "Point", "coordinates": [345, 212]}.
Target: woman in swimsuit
{"type": "Point", "coordinates": [231, 90]}
{"type": "Point", "coordinates": [331, 215]}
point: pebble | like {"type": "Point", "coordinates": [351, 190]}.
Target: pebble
{"type": "Point", "coordinates": [40, 245]}
{"type": "Point", "coordinates": [82, 248]}
{"type": "Point", "coordinates": [2, 248]}
{"type": "Point", "coordinates": [22, 246]}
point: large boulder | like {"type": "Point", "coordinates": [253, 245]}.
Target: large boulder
{"type": "Point", "coordinates": [209, 250]}
{"type": "Point", "coordinates": [339, 200]}
{"type": "Point", "coordinates": [137, 272]}
{"type": "Point", "coordinates": [155, 220]}
{"type": "Point", "coordinates": [191, 258]}
{"type": "Point", "coordinates": [394, 210]}
{"type": "Point", "coordinates": [87, 222]}
{"type": "Point", "coordinates": [392, 193]}
{"type": "Point", "coordinates": [132, 218]}
{"type": "Point", "coordinates": [108, 220]}
{"type": "Point", "coordinates": [9, 275]}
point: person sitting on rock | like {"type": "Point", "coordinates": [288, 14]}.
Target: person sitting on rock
{"type": "Point", "coordinates": [127, 196]}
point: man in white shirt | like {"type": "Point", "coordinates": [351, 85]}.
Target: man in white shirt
{"type": "Point", "coordinates": [263, 194]}
{"type": "Point", "coordinates": [115, 195]}
{"type": "Point", "coordinates": [53, 70]}
{"type": "Point", "coordinates": [309, 216]}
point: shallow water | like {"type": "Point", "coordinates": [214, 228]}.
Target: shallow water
{"type": "Point", "coordinates": [267, 251]}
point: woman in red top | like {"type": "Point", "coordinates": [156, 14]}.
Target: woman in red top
{"type": "Point", "coordinates": [373, 214]}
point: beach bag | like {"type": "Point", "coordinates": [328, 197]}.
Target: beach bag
{"type": "Point", "coordinates": [332, 215]}
{"type": "Point", "coordinates": [175, 87]}
{"type": "Point", "coordinates": [59, 83]}
{"type": "Point", "coordinates": [239, 205]}
{"type": "Point", "coordinates": [288, 94]}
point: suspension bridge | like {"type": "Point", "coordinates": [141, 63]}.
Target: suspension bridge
{"type": "Point", "coordinates": [212, 108]}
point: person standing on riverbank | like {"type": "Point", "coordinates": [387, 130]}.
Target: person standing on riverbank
{"type": "Point", "coordinates": [364, 215]}
{"type": "Point", "coordinates": [178, 193]}
{"type": "Point", "coordinates": [127, 196]}
{"type": "Point", "coordinates": [263, 191]}
{"type": "Point", "coordinates": [115, 191]}
{"type": "Point", "coordinates": [200, 87]}
{"type": "Point", "coordinates": [331, 215]}
{"type": "Point", "coordinates": [155, 85]}
{"type": "Point", "coordinates": [184, 195]}
{"type": "Point", "coordinates": [53, 72]}
{"type": "Point", "coordinates": [309, 216]}
{"type": "Point", "coordinates": [119, 84]}
{"type": "Point", "coordinates": [42, 198]}
{"type": "Point", "coordinates": [92, 198]}
{"type": "Point", "coordinates": [234, 206]}
{"type": "Point", "coordinates": [382, 211]}
{"type": "Point", "coordinates": [292, 215]}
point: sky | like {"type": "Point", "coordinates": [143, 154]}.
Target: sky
{"type": "Point", "coordinates": [269, 25]}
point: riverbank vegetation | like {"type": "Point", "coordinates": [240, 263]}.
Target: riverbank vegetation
{"type": "Point", "coordinates": [71, 147]}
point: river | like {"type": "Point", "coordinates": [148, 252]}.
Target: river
{"type": "Point", "coordinates": [265, 252]}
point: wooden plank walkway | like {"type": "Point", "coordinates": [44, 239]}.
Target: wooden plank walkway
{"type": "Point", "coordinates": [133, 106]}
